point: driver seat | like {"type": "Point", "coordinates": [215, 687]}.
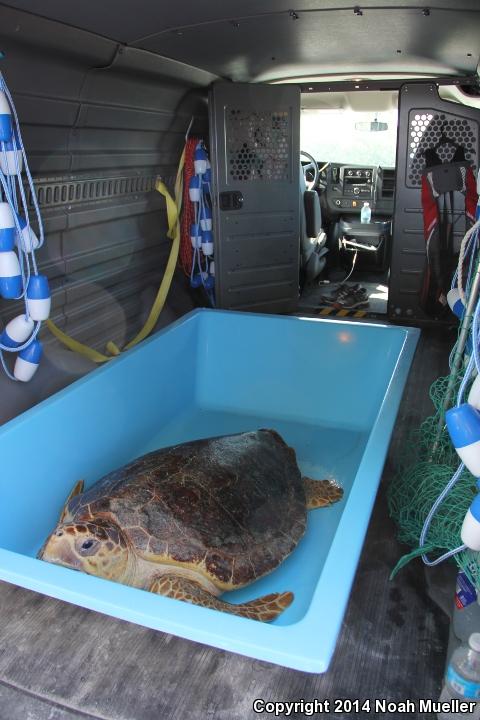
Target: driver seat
{"type": "Point", "coordinates": [312, 236]}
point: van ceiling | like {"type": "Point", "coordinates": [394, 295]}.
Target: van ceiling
{"type": "Point", "coordinates": [267, 40]}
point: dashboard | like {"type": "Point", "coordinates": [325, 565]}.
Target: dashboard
{"type": "Point", "coordinates": [344, 188]}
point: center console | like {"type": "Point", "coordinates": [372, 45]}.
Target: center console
{"type": "Point", "coordinates": [358, 182]}
{"type": "Point", "coordinates": [350, 188]}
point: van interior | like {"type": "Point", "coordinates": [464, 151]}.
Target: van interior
{"type": "Point", "coordinates": [317, 120]}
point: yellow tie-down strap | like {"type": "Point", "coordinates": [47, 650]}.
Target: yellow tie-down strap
{"type": "Point", "coordinates": [173, 213]}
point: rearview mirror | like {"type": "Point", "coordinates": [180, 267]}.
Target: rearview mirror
{"type": "Point", "coordinates": [374, 126]}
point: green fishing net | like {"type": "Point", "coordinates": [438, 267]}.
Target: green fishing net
{"type": "Point", "coordinates": [426, 465]}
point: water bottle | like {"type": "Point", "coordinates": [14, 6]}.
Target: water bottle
{"type": "Point", "coordinates": [462, 681]}
{"type": "Point", "coordinates": [366, 213]}
{"type": "Point", "coordinates": [466, 610]}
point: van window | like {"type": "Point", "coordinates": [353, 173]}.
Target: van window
{"type": "Point", "coordinates": [334, 136]}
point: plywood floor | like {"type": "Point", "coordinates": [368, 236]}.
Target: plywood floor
{"type": "Point", "coordinates": [59, 662]}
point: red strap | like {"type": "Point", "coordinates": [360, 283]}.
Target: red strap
{"type": "Point", "coordinates": [471, 196]}
{"type": "Point", "coordinates": [430, 208]}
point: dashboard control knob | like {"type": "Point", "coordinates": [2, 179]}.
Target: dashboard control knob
{"type": "Point", "coordinates": [367, 173]}
{"type": "Point", "coordinates": [350, 172]}
{"type": "Point", "coordinates": [356, 190]}
{"type": "Point", "coordinates": [359, 172]}
{"type": "Point", "coordinates": [338, 202]}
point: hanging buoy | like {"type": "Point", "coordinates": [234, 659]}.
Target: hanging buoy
{"type": "Point", "coordinates": [194, 189]}
{"type": "Point", "coordinates": [470, 532]}
{"type": "Point", "coordinates": [196, 235]}
{"type": "Point", "coordinates": [11, 161]}
{"type": "Point", "coordinates": [474, 394]}
{"type": "Point", "coordinates": [205, 218]}
{"type": "Point", "coordinates": [28, 359]}
{"type": "Point", "coordinates": [207, 177]}
{"type": "Point", "coordinates": [18, 241]}
{"type": "Point", "coordinates": [5, 118]}
{"type": "Point", "coordinates": [463, 423]}
{"type": "Point", "coordinates": [207, 243]}
{"type": "Point", "coordinates": [28, 241]}
{"type": "Point", "coordinates": [7, 227]}
{"type": "Point", "coordinates": [38, 297]}
{"type": "Point", "coordinates": [10, 276]}
{"type": "Point", "coordinates": [209, 282]}
{"type": "Point", "coordinates": [17, 331]}
{"type": "Point", "coordinates": [200, 160]}
{"type": "Point", "coordinates": [196, 280]}
{"type": "Point", "coordinates": [455, 302]}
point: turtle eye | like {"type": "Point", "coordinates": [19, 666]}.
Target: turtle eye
{"type": "Point", "coordinates": [88, 546]}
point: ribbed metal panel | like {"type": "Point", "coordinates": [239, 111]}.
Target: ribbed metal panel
{"type": "Point", "coordinates": [100, 125]}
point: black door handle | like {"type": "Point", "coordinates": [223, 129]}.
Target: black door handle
{"type": "Point", "coordinates": [231, 200]}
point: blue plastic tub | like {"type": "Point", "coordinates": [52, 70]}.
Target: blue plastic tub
{"type": "Point", "coordinates": [332, 389]}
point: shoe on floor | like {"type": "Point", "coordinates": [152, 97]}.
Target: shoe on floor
{"type": "Point", "coordinates": [341, 291]}
{"type": "Point", "coordinates": [352, 300]}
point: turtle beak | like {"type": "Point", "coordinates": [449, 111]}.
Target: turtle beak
{"type": "Point", "coordinates": [57, 550]}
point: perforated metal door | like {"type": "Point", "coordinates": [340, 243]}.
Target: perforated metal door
{"type": "Point", "coordinates": [255, 143]}
{"type": "Point", "coordinates": [423, 118]}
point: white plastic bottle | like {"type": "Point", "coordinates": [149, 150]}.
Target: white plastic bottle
{"type": "Point", "coordinates": [462, 680]}
{"type": "Point", "coordinates": [466, 609]}
{"type": "Point", "coordinates": [366, 213]}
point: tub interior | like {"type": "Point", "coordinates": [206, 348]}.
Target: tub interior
{"type": "Point", "coordinates": [321, 384]}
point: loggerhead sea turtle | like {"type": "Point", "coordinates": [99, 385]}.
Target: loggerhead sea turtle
{"type": "Point", "coordinates": [194, 520]}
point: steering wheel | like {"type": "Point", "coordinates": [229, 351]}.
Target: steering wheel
{"type": "Point", "coordinates": [312, 165]}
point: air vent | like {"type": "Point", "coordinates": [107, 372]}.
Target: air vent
{"type": "Point", "coordinates": [388, 184]}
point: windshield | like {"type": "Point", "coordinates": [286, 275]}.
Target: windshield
{"type": "Point", "coordinates": [332, 136]}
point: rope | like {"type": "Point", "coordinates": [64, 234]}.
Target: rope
{"type": "Point", "coordinates": [173, 211]}
{"type": "Point", "coordinates": [186, 250]}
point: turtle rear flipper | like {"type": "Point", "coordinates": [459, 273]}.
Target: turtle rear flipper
{"type": "Point", "coordinates": [320, 493]}
{"type": "Point", "coordinates": [265, 608]}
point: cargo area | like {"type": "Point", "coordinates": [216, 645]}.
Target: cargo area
{"type": "Point", "coordinates": [247, 216]}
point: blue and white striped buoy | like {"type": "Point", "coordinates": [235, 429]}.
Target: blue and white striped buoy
{"type": "Point", "coordinates": [11, 286]}
{"type": "Point", "coordinates": [5, 119]}
{"type": "Point", "coordinates": [7, 227]}
{"type": "Point", "coordinates": [200, 159]}
{"type": "Point", "coordinates": [11, 161]}
{"type": "Point", "coordinates": [17, 331]}
{"type": "Point", "coordinates": [194, 189]}
{"type": "Point", "coordinates": [196, 280]}
{"type": "Point", "coordinates": [28, 359]}
{"type": "Point", "coordinates": [205, 218]}
{"type": "Point", "coordinates": [38, 297]}
{"type": "Point", "coordinates": [474, 394]}
{"type": "Point", "coordinates": [207, 243]}
{"type": "Point", "coordinates": [470, 532]}
{"type": "Point", "coordinates": [196, 236]}
{"type": "Point", "coordinates": [209, 282]}
{"type": "Point", "coordinates": [207, 179]}
{"type": "Point", "coordinates": [455, 302]}
{"type": "Point", "coordinates": [28, 240]}
{"type": "Point", "coordinates": [463, 423]}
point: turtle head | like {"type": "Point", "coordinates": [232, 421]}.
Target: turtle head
{"type": "Point", "coordinates": [96, 547]}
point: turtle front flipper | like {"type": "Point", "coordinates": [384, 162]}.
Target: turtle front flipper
{"type": "Point", "coordinates": [76, 490]}
{"type": "Point", "coordinates": [264, 609]}
{"type": "Point", "coordinates": [320, 493]}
